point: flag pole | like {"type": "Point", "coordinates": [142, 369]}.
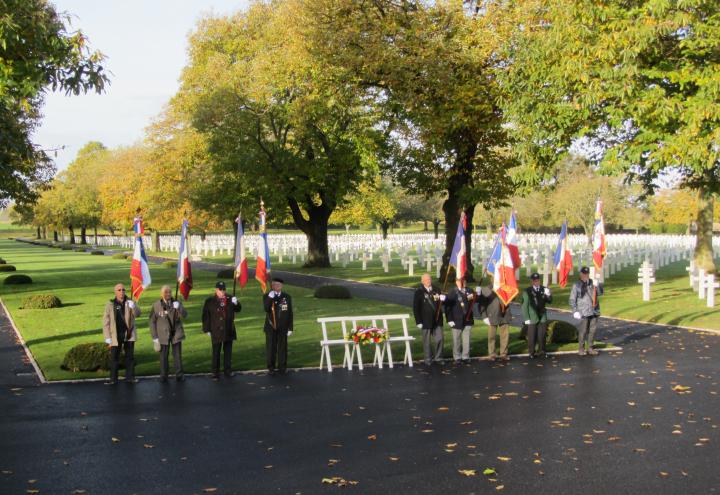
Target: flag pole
{"type": "Point", "coordinates": [237, 221]}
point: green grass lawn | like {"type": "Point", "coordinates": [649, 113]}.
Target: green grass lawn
{"type": "Point", "coordinates": [84, 284]}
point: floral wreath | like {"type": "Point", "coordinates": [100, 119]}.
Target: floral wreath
{"type": "Point", "coordinates": [368, 335]}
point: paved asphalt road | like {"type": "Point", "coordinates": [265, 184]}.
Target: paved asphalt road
{"type": "Point", "coordinates": [621, 423]}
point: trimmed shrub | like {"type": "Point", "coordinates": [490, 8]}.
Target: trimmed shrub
{"type": "Point", "coordinates": [118, 256]}
{"type": "Point", "coordinates": [88, 357]}
{"type": "Point", "coordinates": [332, 292]}
{"type": "Point", "coordinates": [66, 248]}
{"type": "Point", "coordinates": [561, 332]}
{"type": "Point", "coordinates": [226, 274]}
{"type": "Point", "coordinates": [41, 301]}
{"type": "Point", "coordinates": [97, 253]}
{"type": "Point", "coordinates": [79, 249]}
{"type": "Point", "coordinates": [7, 268]}
{"type": "Point", "coordinates": [2, 261]}
{"type": "Point", "coordinates": [172, 264]}
{"type": "Point", "coordinates": [17, 279]}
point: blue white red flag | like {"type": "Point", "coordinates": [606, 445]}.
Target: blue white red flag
{"type": "Point", "coordinates": [263, 254]}
{"type": "Point", "coordinates": [241, 267]}
{"type": "Point", "coordinates": [563, 258]}
{"type": "Point", "coordinates": [502, 269]}
{"type": "Point", "coordinates": [512, 240]}
{"type": "Point", "coordinates": [184, 272]}
{"type": "Point", "coordinates": [139, 269]}
{"type": "Point", "coordinates": [598, 237]}
{"type": "Point", "coordinates": [458, 256]}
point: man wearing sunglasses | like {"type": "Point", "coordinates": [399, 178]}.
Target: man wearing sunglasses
{"type": "Point", "coordinates": [120, 333]}
{"type": "Point", "coordinates": [218, 321]}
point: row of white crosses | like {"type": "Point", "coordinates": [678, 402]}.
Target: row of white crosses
{"type": "Point", "coordinates": [703, 283]}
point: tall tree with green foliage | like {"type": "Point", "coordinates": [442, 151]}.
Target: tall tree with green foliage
{"type": "Point", "coordinates": [639, 80]}
{"type": "Point", "coordinates": [431, 74]}
{"type": "Point", "coordinates": [276, 125]}
{"type": "Point", "coordinates": [38, 52]}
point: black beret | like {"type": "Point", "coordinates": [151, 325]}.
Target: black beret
{"type": "Point", "coordinates": [220, 285]}
{"type": "Point", "coordinates": [535, 276]}
{"type": "Point", "coordinates": [278, 279]}
{"type": "Point", "coordinates": [584, 270]}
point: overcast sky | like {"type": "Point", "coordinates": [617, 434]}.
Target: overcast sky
{"type": "Point", "coordinates": [145, 43]}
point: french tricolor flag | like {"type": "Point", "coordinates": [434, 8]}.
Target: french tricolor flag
{"type": "Point", "coordinates": [512, 240]}
{"type": "Point", "coordinates": [598, 238]}
{"type": "Point", "coordinates": [184, 273]}
{"type": "Point", "coordinates": [241, 267]}
{"type": "Point", "coordinates": [139, 270]}
{"type": "Point", "coordinates": [263, 253]}
{"type": "Point", "coordinates": [563, 258]}
{"type": "Point", "coordinates": [458, 256]}
{"type": "Point", "coordinates": [501, 267]}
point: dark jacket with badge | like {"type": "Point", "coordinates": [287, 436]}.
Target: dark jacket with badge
{"type": "Point", "coordinates": [165, 321]}
{"type": "Point", "coordinates": [458, 307]}
{"type": "Point", "coordinates": [278, 312]}
{"type": "Point", "coordinates": [219, 319]}
{"type": "Point", "coordinates": [533, 304]}
{"type": "Point", "coordinates": [425, 308]}
{"type": "Point", "coordinates": [492, 308]}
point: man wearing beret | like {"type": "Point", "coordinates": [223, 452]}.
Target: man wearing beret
{"type": "Point", "coordinates": [459, 315]}
{"type": "Point", "coordinates": [534, 313]}
{"type": "Point", "coordinates": [278, 325]}
{"type": "Point", "coordinates": [218, 321]}
{"type": "Point", "coordinates": [497, 316]}
{"type": "Point", "coordinates": [585, 304]}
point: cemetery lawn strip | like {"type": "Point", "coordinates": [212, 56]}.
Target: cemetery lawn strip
{"type": "Point", "coordinates": [84, 284]}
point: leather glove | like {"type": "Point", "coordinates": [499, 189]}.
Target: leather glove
{"type": "Point", "coordinates": [271, 294]}
{"type": "Point", "coordinates": [527, 322]}
{"type": "Point", "coordinates": [108, 341]}
{"type": "Point", "coordinates": [131, 304]}
{"type": "Point", "coordinates": [419, 326]}
{"type": "Point", "coordinates": [176, 304]}
{"type": "Point", "coordinates": [452, 324]}
{"type": "Point", "coordinates": [577, 315]}
{"type": "Point", "coordinates": [486, 321]}
{"type": "Point", "coordinates": [290, 332]}
{"type": "Point", "coordinates": [234, 300]}
{"type": "Point", "coordinates": [442, 297]}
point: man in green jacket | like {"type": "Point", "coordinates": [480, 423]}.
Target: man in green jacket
{"type": "Point", "coordinates": [534, 313]}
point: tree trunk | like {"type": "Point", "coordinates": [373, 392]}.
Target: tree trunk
{"type": "Point", "coordinates": [72, 234]}
{"type": "Point", "coordinates": [83, 235]}
{"type": "Point", "coordinates": [384, 227]}
{"type": "Point", "coordinates": [156, 240]}
{"type": "Point", "coordinates": [425, 225]}
{"type": "Point", "coordinates": [55, 236]}
{"type": "Point", "coordinates": [703, 238]}
{"type": "Point", "coordinates": [38, 232]}
{"type": "Point", "coordinates": [347, 229]}
{"type": "Point", "coordinates": [315, 228]}
{"type": "Point", "coordinates": [203, 234]}
{"type": "Point", "coordinates": [95, 234]}
{"type": "Point", "coordinates": [44, 232]}
{"type": "Point", "coordinates": [436, 227]}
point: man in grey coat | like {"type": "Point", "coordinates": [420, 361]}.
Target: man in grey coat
{"type": "Point", "coordinates": [166, 328]}
{"type": "Point", "coordinates": [459, 315]}
{"type": "Point", "coordinates": [585, 304]}
{"type": "Point", "coordinates": [120, 332]}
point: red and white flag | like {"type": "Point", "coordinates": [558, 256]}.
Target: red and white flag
{"type": "Point", "coordinates": [598, 237]}
{"type": "Point", "coordinates": [512, 240]}
{"type": "Point", "coordinates": [241, 267]}
{"type": "Point", "coordinates": [139, 269]}
{"type": "Point", "coordinates": [184, 273]}
{"type": "Point", "coordinates": [262, 269]}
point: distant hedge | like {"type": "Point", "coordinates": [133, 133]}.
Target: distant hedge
{"type": "Point", "coordinates": [561, 332]}
{"type": "Point", "coordinates": [7, 268]}
{"type": "Point", "coordinates": [2, 261]}
{"type": "Point", "coordinates": [171, 264]}
{"type": "Point", "coordinates": [17, 279]}
{"type": "Point", "coordinates": [41, 301]}
{"type": "Point", "coordinates": [66, 248]}
{"type": "Point", "coordinates": [97, 253]}
{"type": "Point", "coordinates": [332, 292]}
{"type": "Point", "coordinates": [118, 256]}
{"type": "Point", "coordinates": [88, 357]}
{"type": "Point", "coordinates": [226, 274]}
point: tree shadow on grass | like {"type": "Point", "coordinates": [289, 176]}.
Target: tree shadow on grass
{"type": "Point", "coordinates": [65, 336]}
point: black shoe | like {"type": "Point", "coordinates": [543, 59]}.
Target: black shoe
{"type": "Point", "coordinates": [131, 381]}
{"type": "Point", "coordinates": [466, 361]}
{"type": "Point", "coordinates": [180, 378]}
{"type": "Point", "coordinates": [458, 362]}
{"type": "Point", "coordinates": [215, 376]}
{"type": "Point", "coordinates": [228, 374]}
{"type": "Point", "coordinates": [271, 372]}
{"type": "Point", "coordinates": [531, 356]}
{"type": "Point", "coordinates": [283, 371]}
{"type": "Point", "coordinates": [110, 382]}
{"type": "Point", "coordinates": [163, 379]}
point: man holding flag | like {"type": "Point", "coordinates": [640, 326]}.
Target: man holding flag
{"type": "Point", "coordinates": [494, 300]}
{"type": "Point", "coordinates": [184, 273]}
{"type": "Point", "coordinates": [458, 304]}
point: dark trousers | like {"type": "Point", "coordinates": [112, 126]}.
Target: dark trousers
{"type": "Point", "coordinates": [227, 356]}
{"type": "Point", "coordinates": [536, 335]}
{"type": "Point", "coordinates": [276, 349]}
{"type": "Point", "coordinates": [129, 360]}
{"type": "Point", "coordinates": [177, 359]}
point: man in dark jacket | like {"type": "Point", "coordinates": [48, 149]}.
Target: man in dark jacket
{"type": "Point", "coordinates": [497, 316]}
{"type": "Point", "coordinates": [459, 315]}
{"type": "Point", "coordinates": [218, 321]}
{"type": "Point", "coordinates": [278, 325]}
{"type": "Point", "coordinates": [427, 304]}
{"type": "Point", "coordinates": [534, 299]}
{"type": "Point", "coordinates": [166, 329]}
